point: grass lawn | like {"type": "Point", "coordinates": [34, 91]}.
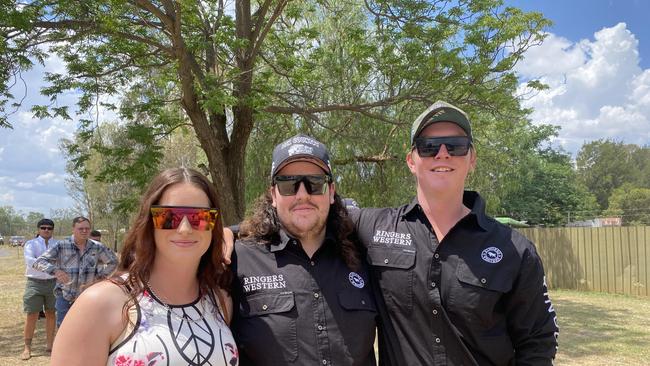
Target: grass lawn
{"type": "Point", "coordinates": [595, 328]}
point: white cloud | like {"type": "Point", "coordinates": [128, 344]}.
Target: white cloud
{"type": "Point", "coordinates": [596, 88]}
{"type": "Point", "coordinates": [48, 178]}
{"type": "Point", "coordinates": [6, 198]}
{"type": "Point", "coordinates": [25, 185]}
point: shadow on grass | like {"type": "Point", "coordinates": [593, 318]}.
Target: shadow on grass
{"type": "Point", "coordinates": [591, 330]}
{"type": "Point", "coordinates": [11, 340]}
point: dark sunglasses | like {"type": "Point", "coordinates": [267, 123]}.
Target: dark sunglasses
{"type": "Point", "coordinates": [170, 217]}
{"type": "Point", "coordinates": [48, 228]}
{"type": "Point", "coordinates": [288, 185]}
{"type": "Point", "coordinates": [430, 146]}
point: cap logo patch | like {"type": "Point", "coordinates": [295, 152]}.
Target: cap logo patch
{"type": "Point", "coordinates": [356, 280]}
{"type": "Point", "coordinates": [439, 112]}
{"type": "Point", "coordinates": [492, 255]}
{"type": "Point", "coordinates": [300, 149]}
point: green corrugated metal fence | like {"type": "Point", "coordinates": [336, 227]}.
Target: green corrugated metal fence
{"type": "Point", "coordinates": [605, 259]}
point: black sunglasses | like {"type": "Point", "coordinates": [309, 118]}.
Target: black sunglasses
{"type": "Point", "coordinates": [49, 228]}
{"type": "Point", "coordinates": [430, 146]}
{"type": "Point", "coordinates": [288, 185]}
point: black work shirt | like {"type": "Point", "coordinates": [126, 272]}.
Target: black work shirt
{"type": "Point", "coordinates": [478, 297]}
{"type": "Point", "coordinates": [293, 310]}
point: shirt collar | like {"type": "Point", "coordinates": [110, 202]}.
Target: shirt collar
{"type": "Point", "coordinates": [286, 239]}
{"type": "Point", "coordinates": [89, 243]}
{"type": "Point", "coordinates": [471, 199]}
{"type": "Point", "coordinates": [476, 203]}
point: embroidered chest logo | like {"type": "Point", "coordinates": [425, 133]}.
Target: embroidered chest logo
{"type": "Point", "coordinates": [390, 238]}
{"type": "Point", "coordinates": [492, 255]}
{"type": "Point", "coordinates": [356, 280]}
{"type": "Point", "coordinates": [254, 283]}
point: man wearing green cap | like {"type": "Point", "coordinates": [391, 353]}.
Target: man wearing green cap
{"type": "Point", "coordinates": [459, 287]}
{"type": "Point", "coordinates": [452, 285]}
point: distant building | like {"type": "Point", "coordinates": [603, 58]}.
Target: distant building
{"type": "Point", "coordinates": [598, 222]}
{"type": "Point", "coordinates": [609, 221]}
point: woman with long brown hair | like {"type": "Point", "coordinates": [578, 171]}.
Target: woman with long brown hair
{"type": "Point", "coordinates": [166, 304]}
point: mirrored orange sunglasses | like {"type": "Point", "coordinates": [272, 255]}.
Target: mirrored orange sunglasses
{"type": "Point", "coordinates": [170, 217]}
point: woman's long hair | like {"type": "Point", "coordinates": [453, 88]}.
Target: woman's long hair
{"type": "Point", "coordinates": [264, 226]}
{"type": "Point", "coordinates": [139, 250]}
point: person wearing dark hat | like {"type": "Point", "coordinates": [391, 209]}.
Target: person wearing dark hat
{"type": "Point", "coordinates": [459, 287]}
{"type": "Point", "coordinates": [39, 288]}
{"type": "Point", "coordinates": [301, 291]}
{"type": "Point", "coordinates": [96, 235]}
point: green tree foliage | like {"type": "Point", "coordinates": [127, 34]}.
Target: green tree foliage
{"type": "Point", "coordinates": [631, 203]}
{"type": "Point", "coordinates": [18, 223]}
{"type": "Point", "coordinates": [336, 69]}
{"type": "Point", "coordinates": [547, 191]}
{"type": "Point", "coordinates": [605, 165]}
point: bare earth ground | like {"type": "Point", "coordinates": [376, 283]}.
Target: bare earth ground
{"type": "Point", "coordinates": [595, 329]}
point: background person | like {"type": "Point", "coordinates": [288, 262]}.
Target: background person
{"type": "Point", "coordinates": [302, 295]}
{"type": "Point", "coordinates": [39, 288]}
{"type": "Point", "coordinates": [76, 262]}
{"type": "Point", "coordinates": [96, 235]}
{"type": "Point", "coordinates": [166, 305]}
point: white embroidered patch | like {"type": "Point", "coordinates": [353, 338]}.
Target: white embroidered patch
{"type": "Point", "coordinates": [356, 280]}
{"type": "Point", "coordinates": [492, 255]}
{"type": "Point", "coordinates": [300, 149]}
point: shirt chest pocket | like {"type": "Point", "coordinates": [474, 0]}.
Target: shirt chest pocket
{"type": "Point", "coordinates": [394, 267]}
{"type": "Point", "coordinates": [477, 293]}
{"type": "Point", "coordinates": [357, 322]}
{"type": "Point", "coordinates": [267, 328]}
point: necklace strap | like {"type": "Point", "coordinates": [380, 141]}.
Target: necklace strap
{"type": "Point", "coordinates": [171, 311]}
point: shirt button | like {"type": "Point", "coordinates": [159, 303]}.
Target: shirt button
{"type": "Point", "coordinates": [437, 340]}
{"type": "Point", "coordinates": [363, 302]}
{"type": "Point", "coordinates": [483, 281]}
{"type": "Point", "coordinates": [316, 295]}
{"type": "Point", "coordinates": [324, 362]}
{"type": "Point", "coordinates": [320, 327]}
{"type": "Point", "coordinates": [436, 256]}
{"type": "Point", "coordinates": [386, 261]}
{"type": "Point", "coordinates": [433, 284]}
{"type": "Point", "coordinates": [312, 263]}
{"type": "Point", "coordinates": [435, 312]}
{"type": "Point", "coordinates": [264, 307]}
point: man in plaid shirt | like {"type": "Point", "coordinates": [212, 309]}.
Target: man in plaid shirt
{"type": "Point", "coordinates": [75, 262]}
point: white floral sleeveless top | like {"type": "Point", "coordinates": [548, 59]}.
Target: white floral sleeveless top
{"type": "Point", "coordinates": [192, 334]}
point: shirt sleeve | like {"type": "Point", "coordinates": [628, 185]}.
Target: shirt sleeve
{"type": "Point", "coordinates": [356, 216]}
{"type": "Point", "coordinates": [48, 261]}
{"type": "Point", "coordinates": [531, 318]}
{"type": "Point", "coordinates": [28, 252]}
{"type": "Point", "coordinates": [108, 259]}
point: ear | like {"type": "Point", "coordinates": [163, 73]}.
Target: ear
{"type": "Point", "coordinates": [332, 191]}
{"type": "Point", "coordinates": [472, 159]}
{"type": "Point", "coordinates": [272, 190]}
{"type": "Point", "coordinates": [409, 161]}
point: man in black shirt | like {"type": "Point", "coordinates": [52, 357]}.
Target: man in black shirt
{"type": "Point", "coordinates": [301, 292]}
{"type": "Point", "coordinates": [459, 287]}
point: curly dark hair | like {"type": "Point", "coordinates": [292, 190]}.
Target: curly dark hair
{"type": "Point", "coordinates": [263, 226]}
{"type": "Point", "coordinates": [139, 250]}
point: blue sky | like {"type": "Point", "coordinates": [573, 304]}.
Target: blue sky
{"type": "Point", "coordinates": [579, 19]}
{"type": "Point", "coordinates": [595, 60]}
